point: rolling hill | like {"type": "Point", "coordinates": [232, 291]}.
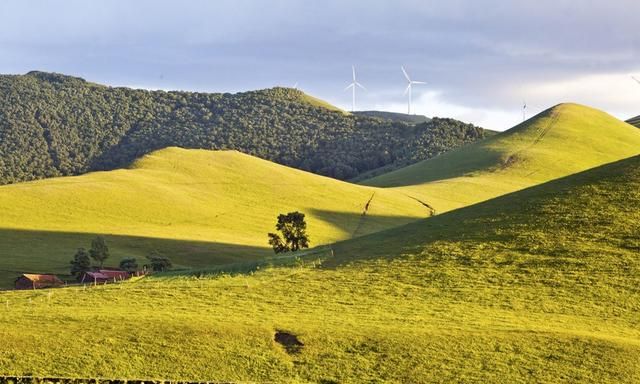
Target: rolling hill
{"type": "Point", "coordinates": [57, 125]}
{"type": "Point", "coordinates": [199, 207]}
{"type": "Point", "coordinates": [537, 286]}
{"type": "Point", "coordinates": [560, 141]}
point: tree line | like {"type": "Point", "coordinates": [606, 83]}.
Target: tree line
{"type": "Point", "coordinates": [57, 125]}
{"type": "Point", "coordinates": [99, 252]}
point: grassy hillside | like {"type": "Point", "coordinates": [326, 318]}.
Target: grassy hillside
{"type": "Point", "coordinates": [322, 103]}
{"type": "Point", "coordinates": [56, 125]}
{"type": "Point", "coordinates": [563, 140]}
{"type": "Point", "coordinates": [538, 286]}
{"type": "Point", "coordinates": [394, 116]}
{"type": "Point", "coordinates": [198, 207]}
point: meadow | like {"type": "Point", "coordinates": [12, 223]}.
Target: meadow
{"type": "Point", "coordinates": [201, 208]}
{"type": "Point", "coordinates": [536, 286]}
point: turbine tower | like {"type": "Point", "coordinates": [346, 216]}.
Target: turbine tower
{"type": "Point", "coordinates": [353, 86]}
{"type": "Point", "coordinates": [409, 87]}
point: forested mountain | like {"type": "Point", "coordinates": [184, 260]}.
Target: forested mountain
{"type": "Point", "coordinates": [53, 125]}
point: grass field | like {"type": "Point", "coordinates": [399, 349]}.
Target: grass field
{"type": "Point", "coordinates": [201, 208]}
{"type": "Point", "coordinates": [538, 286]}
{"type": "Point", "coordinates": [204, 208]}
{"type": "Point", "coordinates": [563, 140]}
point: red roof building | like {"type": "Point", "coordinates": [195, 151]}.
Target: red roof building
{"type": "Point", "coordinates": [104, 276]}
{"type": "Point", "coordinates": [95, 277]}
{"type": "Point", "coordinates": [37, 281]}
{"type": "Point", "coordinates": [115, 274]}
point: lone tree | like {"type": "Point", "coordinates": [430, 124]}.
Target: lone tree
{"type": "Point", "coordinates": [80, 263]}
{"type": "Point", "coordinates": [99, 250]}
{"type": "Point", "coordinates": [159, 263]}
{"type": "Point", "coordinates": [129, 264]}
{"type": "Point", "coordinates": [294, 233]}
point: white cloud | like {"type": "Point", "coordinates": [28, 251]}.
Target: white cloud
{"type": "Point", "coordinates": [431, 103]}
{"type": "Point", "coordinates": [615, 93]}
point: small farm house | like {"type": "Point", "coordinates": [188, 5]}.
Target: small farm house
{"type": "Point", "coordinates": [37, 281]}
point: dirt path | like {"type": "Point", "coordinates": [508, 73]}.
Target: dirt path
{"type": "Point", "coordinates": [514, 157]}
{"type": "Point", "coordinates": [432, 211]}
{"type": "Point", "coordinates": [363, 216]}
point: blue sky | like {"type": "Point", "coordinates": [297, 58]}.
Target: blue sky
{"type": "Point", "coordinates": [481, 59]}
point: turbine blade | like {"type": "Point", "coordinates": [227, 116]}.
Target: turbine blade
{"type": "Point", "coordinates": [418, 82]}
{"type": "Point", "coordinates": [406, 75]}
{"type": "Point", "coordinates": [407, 89]}
{"type": "Point", "coordinates": [349, 86]}
{"type": "Point", "coordinates": [634, 78]}
{"type": "Point", "coordinates": [353, 69]}
{"type": "Point", "coordinates": [360, 85]}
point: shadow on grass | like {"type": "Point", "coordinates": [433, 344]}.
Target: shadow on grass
{"type": "Point", "coordinates": [464, 161]}
{"type": "Point", "coordinates": [23, 251]}
{"type": "Point", "coordinates": [362, 224]}
{"type": "Point", "coordinates": [50, 252]}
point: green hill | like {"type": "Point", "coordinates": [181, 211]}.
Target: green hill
{"type": "Point", "coordinates": [394, 116]}
{"type": "Point", "coordinates": [563, 140]}
{"type": "Point", "coordinates": [537, 286]}
{"type": "Point", "coordinates": [199, 207]}
{"type": "Point", "coordinates": [56, 125]}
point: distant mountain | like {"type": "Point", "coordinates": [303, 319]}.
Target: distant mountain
{"type": "Point", "coordinates": [55, 125]}
{"type": "Point", "coordinates": [560, 141]}
{"type": "Point", "coordinates": [394, 116]}
{"type": "Point", "coordinates": [634, 121]}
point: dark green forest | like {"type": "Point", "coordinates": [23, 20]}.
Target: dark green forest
{"type": "Point", "coordinates": [55, 125]}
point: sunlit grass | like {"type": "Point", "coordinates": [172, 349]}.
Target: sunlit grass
{"type": "Point", "coordinates": [538, 286]}
{"type": "Point", "coordinates": [215, 206]}
{"type": "Point", "coordinates": [563, 140]}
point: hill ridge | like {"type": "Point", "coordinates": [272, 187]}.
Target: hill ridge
{"type": "Point", "coordinates": [561, 140]}
{"type": "Point", "coordinates": [59, 125]}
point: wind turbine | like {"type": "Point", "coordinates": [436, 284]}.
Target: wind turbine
{"type": "Point", "coordinates": [636, 79]}
{"type": "Point", "coordinates": [353, 86]}
{"type": "Point", "coordinates": [524, 110]}
{"type": "Point", "coordinates": [409, 87]}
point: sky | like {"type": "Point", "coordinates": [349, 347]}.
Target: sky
{"type": "Point", "coordinates": [481, 59]}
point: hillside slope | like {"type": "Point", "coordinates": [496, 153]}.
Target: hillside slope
{"type": "Point", "coordinates": [199, 207]}
{"type": "Point", "coordinates": [56, 125]}
{"type": "Point", "coordinates": [634, 121]}
{"type": "Point", "coordinates": [538, 286]}
{"type": "Point", "coordinates": [394, 116]}
{"type": "Point", "coordinates": [563, 140]}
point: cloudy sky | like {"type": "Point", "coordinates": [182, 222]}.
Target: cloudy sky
{"type": "Point", "coordinates": [480, 58]}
